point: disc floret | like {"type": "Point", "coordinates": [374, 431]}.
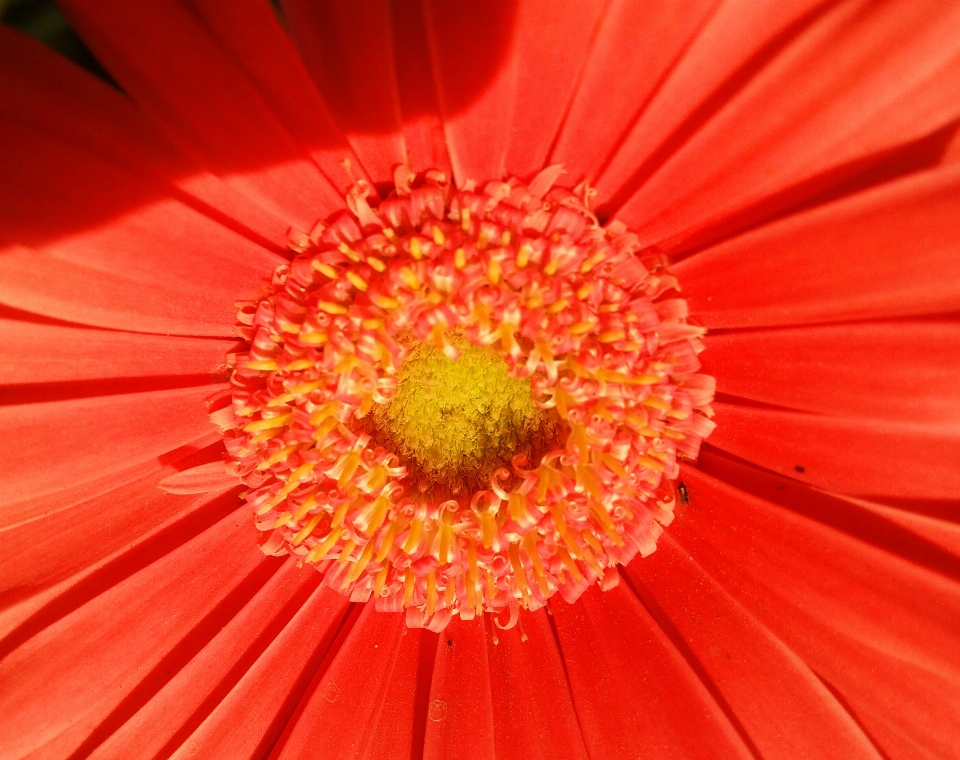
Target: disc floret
{"type": "Point", "coordinates": [553, 462]}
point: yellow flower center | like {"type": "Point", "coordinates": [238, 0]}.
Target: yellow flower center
{"type": "Point", "coordinates": [453, 422]}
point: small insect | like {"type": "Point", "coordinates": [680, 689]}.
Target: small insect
{"type": "Point", "coordinates": [682, 490]}
{"type": "Point", "coordinates": [450, 643]}
{"type": "Point", "coordinates": [800, 468]}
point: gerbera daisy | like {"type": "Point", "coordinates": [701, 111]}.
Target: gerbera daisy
{"type": "Point", "coordinates": [358, 377]}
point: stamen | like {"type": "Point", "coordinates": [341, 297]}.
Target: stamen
{"type": "Point", "coordinates": [466, 401]}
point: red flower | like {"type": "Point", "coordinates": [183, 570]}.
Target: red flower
{"type": "Point", "coordinates": [796, 163]}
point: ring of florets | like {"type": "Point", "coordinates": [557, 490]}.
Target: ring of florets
{"type": "Point", "coordinates": [526, 273]}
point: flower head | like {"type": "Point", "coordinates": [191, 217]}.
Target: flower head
{"type": "Point", "coordinates": [476, 390]}
{"type": "Point", "coordinates": [459, 401]}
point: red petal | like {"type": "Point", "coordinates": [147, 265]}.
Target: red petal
{"type": "Point", "coordinates": [204, 478]}
{"type": "Point", "coordinates": [635, 694]}
{"type": "Point", "coordinates": [49, 93]}
{"type": "Point", "coordinates": [253, 36]}
{"type": "Point", "coordinates": [734, 43]}
{"type": "Point", "coordinates": [775, 697]}
{"type": "Point", "coordinates": [172, 65]}
{"type": "Point", "coordinates": [345, 703]}
{"type": "Point", "coordinates": [251, 717]}
{"type": "Point", "coordinates": [62, 684]}
{"type": "Point", "coordinates": [475, 70]}
{"type": "Point", "coordinates": [203, 449]}
{"type": "Point", "coordinates": [205, 682]}
{"type": "Point", "coordinates": [938, 530]}
{"type": "Point", "coordinates": [348, 48]}
{"type": "Point", "coordinates": [894, 370]}
{"type": "Point", "coordinates": [844, 454]}
{"type": "Point", "coordinates": [552, 50]}
{"type": "Point", "coordinates": [460, 714]}
{"type": "Point", "coordinates": [63, 443]}
{"type": "Point", "coordinates": [893, 251]}
{"type": "Point", "coordinates": [48, 353]}
{"type": "Point", "coordinates": [163, 268]}
{"type": "Point", "coordinates": [533, 714]}
{"type": "Point", "coordinates": [878, 629]}
{"type": "Point", "coordinates": [636, 46]}
{"type": "Point", "coordinates": [419, 105]}
{"type": "Point", "coordinates": [51, 554]}
{"type": "Point", "coordinates": [865, 79]}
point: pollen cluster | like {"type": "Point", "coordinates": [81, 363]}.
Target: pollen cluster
{"type": "Point", "coordinates": [466, 400]}
{"type": "Point", "coordinates": [454, 422]}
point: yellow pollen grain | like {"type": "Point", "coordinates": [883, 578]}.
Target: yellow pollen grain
{"type": "Point", "coordinates": [431, 593]}
{"type": "Point", "coordinates": [387, 544]}
{"type": "Point", "coordinates": [612, 336]}
{"type": "Point", "coordinates": [332, 308]}
{"type": "Point", "coordinates": [409, 278]}
{"type": "Point", "coordinates": [270, 422]}
{"type": "Point", "coordinates": [655, 402]}
{"type": "Point", "coordinates": [347, 251]}
{"type": "Point", "coordinates": [346, 551]}
{"type": "Point", "coordinates": [309, 503]}
{"type": "Point", "coordinates": [299, 364]}
{"type": "Point", "coordinates": [438, 236]}
{"type": "Point", "coordinates": [325, 269]}
{"type": "Point", "coordinates": [357, 281]}
{"type": "Point", "coordinates": [583, 327]}
{"type": "Point", "coordinates": [307, 529]}
{"type": "Point", "coordinates": [263, 365]}
{"type": "Point", "coordinates": [591, 262]}
{"type": "Point", "coordinates": [416, 249]}
{"type": "Point", "coordinates": [321, 550]}
{"type": "Point", "coordinates": [651, 463]}
{"type": "Point", "coordinates": [266, 435]}
{"type": "Point", "coordinates": [413, 539]}
{"type": "Point", "coordinates": [458, 420]}
{"type": "Point", "coordinates": [523, 256]}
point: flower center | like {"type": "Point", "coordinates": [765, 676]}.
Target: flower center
{"type": "Point", "coordinates": [459, 401]}
{"type": "Point", "coordinates": [454, 422]}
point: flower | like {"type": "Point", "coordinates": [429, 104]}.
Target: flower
{"type": "Point", "coordinates": [471, 407]}
{"type": "Point", "coordinates": [795, 163]}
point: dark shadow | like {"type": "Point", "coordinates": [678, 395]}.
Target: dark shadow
{"type": "Point", "coordinates": [185, 650]}
{"type": "Point", "coordinates": [119, 569]}
{"type": "Point", "coordinates": [242, 665]}
{"type": "Point", "coordinates": [35, 393]}
{"type": "Point", "coordinates": [192, 455]}
{"type": "Point", "coordinates": [60, 180]}
{"type": "Point", "coordinates": [709, 107]}
{"type": "Point", "coordinates": [427, 658]}
{"type": "Point", "coordinates": [42, 20]}
{"type": "Point", "coordinates": [679, 643]}
{"type": "Point", "coordinates": [852, 714]}
{"type": "Point", "coordinates": [836, 183]}
{"type": "Point", "coordinates": [844, 516]}
{"type": "Point", "coordinates": [322, 30]}
{"type": "Point", "coordinates": [274, 740]}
